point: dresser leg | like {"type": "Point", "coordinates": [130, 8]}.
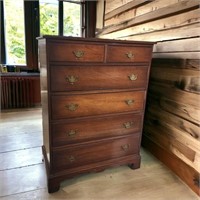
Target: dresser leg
{"type": "Point", "coordinates": [135, 165]}
{"type": "Point", "coordinates": [53, 185]}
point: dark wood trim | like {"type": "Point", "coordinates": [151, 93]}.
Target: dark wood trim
{"type": "Point", "coordinates": [2, 49]}
{"type": "Point", "coordinates": [90, 18]}
{"type": "Point", "coordinates": [60, 18]}
{"type": "Point", "coordinates": [189, 175]}
{"type": "Point", "coordinates": [32, 31]}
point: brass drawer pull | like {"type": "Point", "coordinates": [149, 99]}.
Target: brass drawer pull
{"type": "Point", "coordinates": [71, 159]}
{"type": "Point", "coordinates": [72, 79]}
{"type": "Point", "coordinates": [133, 77]}
{"type": "Point", "coordinates": [128, 124]}
{"type": "Point", "coordinates": [130, 55]}
{"type": "Point", "coordinates": [79, 53]}
{"type": "Point", "coordinates": [125, 147]}
{"type": "Point", "coordinates": [72, 107]}
{"type": "Point", "coordinates": [129, 102]}
{"type": "Point", "coordinates": [72, 133]}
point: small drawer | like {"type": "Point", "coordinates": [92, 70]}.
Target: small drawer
{"type": "Point", "coordinates": [76, 52]}
{"type": "Point", "coordinates": [72, 106]}
{"type": "Point", "coordinates": [67, 158]}
{"type": "Point", "coordinates": [75, 78]}
{"type": "Point", "coordinates": [129, 54]}
{"type": "Point", "coordinates": [95, 128]}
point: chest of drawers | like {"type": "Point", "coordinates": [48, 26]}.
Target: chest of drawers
{"type": "Point", "coordinates": [93, 99]}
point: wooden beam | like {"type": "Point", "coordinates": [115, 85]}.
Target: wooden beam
{"type": "Point", "coordinates": [188, 55]}
{"type": "Point", "coordinates": [125, 8]}
{"type": "Point", "coordinates": [193, 64]}
{"type": "Point", "coordinates": [171, 34]}
{"type": "Point", "coordinates": [141, 10]}
{"type": "Point", "coordinates": [177, 8]}
{"type": "Point", "coordinates": [176, 21]}
{"type": "Point", "coordinates": [185, 45]}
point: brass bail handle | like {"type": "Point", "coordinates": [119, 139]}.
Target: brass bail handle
{"type": "Point", "coordinates": [125, 147]}
{"type": "Point", "coordinates": [128, 125]}
{"type": "Point", "coordinates": [129, 102]}
{"type": "Point", "coordinates": [129, 55]}
{"type": "Point", "coordinates": [133, 77]}
{"type": "Point", "coordinates": [72, 79]}
{"type": "Point", "coordinates": [72, 107]}
{"type": "Point", "coordinates": [72, 133]}
{"type": "Point", "coordinates": [78, 53]}
{"type": "Point", "coordinates": [71, 159]}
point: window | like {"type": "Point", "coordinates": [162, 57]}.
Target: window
{"type": "Point", "coordinates": [72, 19]}
{"type": "Point", "coordinates": [14, 31]}
{"type": "Point", "coordinates": [23, 21]}
{"type": "Point", "coordinates": [48, 17]}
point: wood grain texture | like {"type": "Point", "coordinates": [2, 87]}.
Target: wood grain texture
{"type": "Point", "coordinates": [170, 22]}
{"type": "Point", "coordinates": [157, 14]}
{"type": "Point", "coordinates": [125, 8]}
{"type": "Point", "coordinates": [188, 174]}
{"type": "Point", "coordinates": [172, 120]}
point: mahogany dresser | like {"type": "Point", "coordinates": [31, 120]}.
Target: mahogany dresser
{"type": "Point", "coordinates": [93, 99]}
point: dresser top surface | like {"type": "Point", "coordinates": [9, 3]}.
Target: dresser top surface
{"type": "Point", "coordinates": [98, 40]}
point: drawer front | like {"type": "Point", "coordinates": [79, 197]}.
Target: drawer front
{"type": "Point", "coordinates": [95, 128]}
{"type": "Point", "coordinates": [76, 52]}
{"type": "Point", "coordinates": [128, 54]}
{"type": "Point", "coordinates": [66, 78]}
{"type": "Point", "coordinates": [93, 153]}
{"type": "Point", "coordinates": [70, 106]}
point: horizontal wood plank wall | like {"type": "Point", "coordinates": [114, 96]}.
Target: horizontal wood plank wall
{"type": "Point", "coordinates": [172, 119]}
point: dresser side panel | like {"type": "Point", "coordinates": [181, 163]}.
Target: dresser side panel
{"type": "Point", "coordinates": [44, 94]}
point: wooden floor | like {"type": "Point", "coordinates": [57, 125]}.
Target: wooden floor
{"type": "Point", "coordinates": [22, 172]}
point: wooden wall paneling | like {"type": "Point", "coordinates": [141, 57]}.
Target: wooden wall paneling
{"type": "Point", "coordinates": [193, 64]}
{"type": "Point", "coordinates": [190, 129]}
{"type": "Point", "coordinates": [171, 34]}
{"type": "Point", "coordinates": [125, 8]}
{"type": "Point", "coordinates": [183, 79]}
{"type": "Point", "coordinates": [180, 20]}
{"type": "Point", "coordinates": [160, 135]}
{"type": "Point", "coordinates": [183, 45]}
{"type": "Point", "coordinates": [138, 10]}
{"type": "Point", "coordinates": [157, 14]}
{"type": "Point", "coordinates": [114, 4]}
{"type": "Point", "coordinates": [188, 174]}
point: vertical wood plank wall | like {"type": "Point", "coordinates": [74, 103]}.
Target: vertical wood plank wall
{"type": "Point", "coordinates": [172, 119]}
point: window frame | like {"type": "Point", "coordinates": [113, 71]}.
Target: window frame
{"type": "Point", "coordinates": [32, 29]}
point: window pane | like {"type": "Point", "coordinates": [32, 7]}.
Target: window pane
{"type": "Point", "coordinates": [48, 17]}
{"type": "Point", "coordinates": [72, 19]}
{"type": "Point", "coordinates": [14, 32]}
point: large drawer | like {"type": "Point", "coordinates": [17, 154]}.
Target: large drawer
{"type": "Point", "coordinates": [76, 52]}
{"type": "Point", "coordinates": [128, 54]}
{"type": "Point", "coordinates": [96, 152]}
{"type": "Point", "coordinates": [70, 106]}
{"type": "Point", "coordinates": [66, 78]}
{"type": "Point", "coordinates": [95, 128]}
